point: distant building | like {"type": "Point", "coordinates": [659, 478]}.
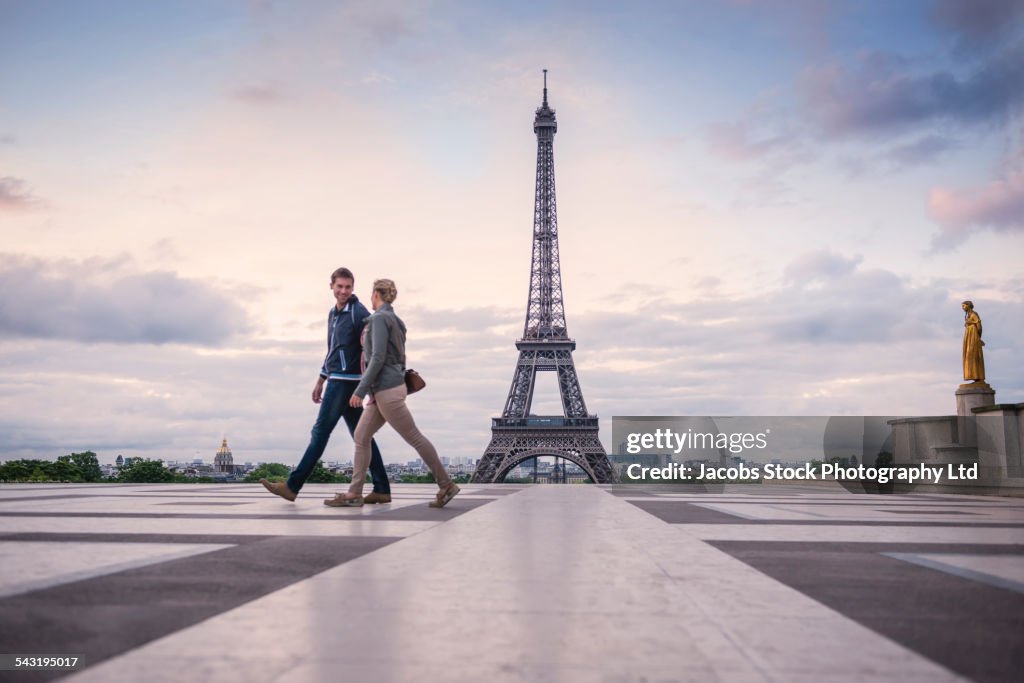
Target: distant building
{"type": "Point", "coordinates": [119, 461]}
{"type": "Point", "coordinates": [223, 462]}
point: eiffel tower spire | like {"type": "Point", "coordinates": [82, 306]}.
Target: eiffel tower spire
{"type": "Point", "coordinates": [545, 312]}
{"type": "Point", "coordinates": [545, 346]}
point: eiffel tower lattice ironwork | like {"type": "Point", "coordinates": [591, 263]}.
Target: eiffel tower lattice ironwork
{"type": "Point", "coordinates": [518, 436]}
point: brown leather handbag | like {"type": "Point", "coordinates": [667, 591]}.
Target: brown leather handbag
{"type": "Point", "coordinates": [413, 381]}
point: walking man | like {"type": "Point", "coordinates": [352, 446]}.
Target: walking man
{"type": "Point", "coordinates": [339, 377]}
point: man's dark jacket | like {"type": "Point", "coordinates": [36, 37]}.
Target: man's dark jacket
{"type": "Point", "coordinates": [344, 352]}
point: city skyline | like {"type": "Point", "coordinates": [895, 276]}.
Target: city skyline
{"type": "Point", "coordinates": [786, 229]}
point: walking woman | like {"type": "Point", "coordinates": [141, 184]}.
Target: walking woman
{"type": "Point", "coordinates": [383, 385]}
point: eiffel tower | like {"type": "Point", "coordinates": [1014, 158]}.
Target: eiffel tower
{"type": "Point", "coordinates": [518, 436]}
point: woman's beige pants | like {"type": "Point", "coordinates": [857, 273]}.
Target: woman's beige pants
{"type": "Point", "coordinates": [389, 406]}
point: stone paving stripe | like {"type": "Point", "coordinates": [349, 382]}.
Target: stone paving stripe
{"type": "Point", "coordinates": [492, 489]}
{"type": "Point", "coordinates": [37, 565]}
{"type": "Point", "coordinates": [229, 527]}
{"type": "Point", "coordinates": [972, 628]}
{"type": "Point", "coordinates": [206, 488]}
{"type": "Point", "coordinates": [927, 512]}
{"type": "Point", "coordinates": [135, 538]}
{"type": "Point", "coordinates": [59, 496]}
{"type": "Point", "coordinates": [932, 561]}
{"type": "Point", "coordinates": [855, 503]}
{"type": "Point", "coordinates": [202, 502]}
{"type": "Point", "coordinates": [631, 490]}
{"type": "Point", "coordinates": [687, 513]}
{"type": "Point", "coordinates": [19, 487]}
{"type": "Point", "coordinates": [248, 495]}
{"type": "Point", "coordinates": [856, 532]}
{"type": "Point", "coordinates": [108, 615]}
{"type": "Point", "coordinates": [420, 513]}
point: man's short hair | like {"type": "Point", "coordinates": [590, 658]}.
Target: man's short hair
{"type": "Point", "coordinates": [343, 273]}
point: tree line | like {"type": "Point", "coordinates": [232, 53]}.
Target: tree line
{"type": "Point", "coordinates": [76, 467]}
{"type": "Point", "coordinates": [85, 468]}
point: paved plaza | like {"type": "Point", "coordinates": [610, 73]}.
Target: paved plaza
{"type": "Point", "coordinates": [512, 583]}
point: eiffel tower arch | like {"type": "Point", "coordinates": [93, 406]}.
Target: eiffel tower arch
{"type": "Point", "coordinates": [518, 436]}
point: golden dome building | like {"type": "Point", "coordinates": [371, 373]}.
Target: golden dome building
{"type": "Point", "coordinates": [223, 462]}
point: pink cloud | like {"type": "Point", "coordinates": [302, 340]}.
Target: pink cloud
{"type": "Point", "coordinates": [258, 94]}
{"type": "Point", "coordinates": [14, 194]}
{"type": "Point", "coordinates": [818, 266]}
{"type": "Point", "coordinates": [998, 206]}
{"type": "Point", "coordinates": [737, 142]}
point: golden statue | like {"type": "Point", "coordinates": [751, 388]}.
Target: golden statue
{"type": "Point", "coordinates": [974, 357]}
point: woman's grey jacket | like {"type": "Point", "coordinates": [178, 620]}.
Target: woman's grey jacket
{"type": "Point", "coordinates": [383, 352]}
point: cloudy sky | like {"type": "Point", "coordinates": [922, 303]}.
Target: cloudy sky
{"type": "Point", "coordinates": [766, 207]}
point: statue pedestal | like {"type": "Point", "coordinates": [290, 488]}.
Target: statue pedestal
{"type": "Point", "coordinates": [968, 397]}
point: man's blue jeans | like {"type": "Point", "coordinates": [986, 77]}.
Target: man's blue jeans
{"type": "Point", "coordinates": [333, 406]}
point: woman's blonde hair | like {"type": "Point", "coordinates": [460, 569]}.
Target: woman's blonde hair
{"type": "Point", "coordinates": [387, 290]}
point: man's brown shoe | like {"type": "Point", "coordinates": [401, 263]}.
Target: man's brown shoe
{"type": "Point", "coordinates": [375, 497]}
{"type": "Point", "coordinates": [279, 488]}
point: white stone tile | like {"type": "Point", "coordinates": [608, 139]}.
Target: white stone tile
{"type": "Point", "coordinates": [1002, 571]}
{"type": "Point", "coordinates": [234, 664]}
{"type": "Point", "coordinates": [865, 512]}
{"type": "Point", "coordinates": [852, 533]}
{"type": "Point", "coordinates": [32, 565]}
{"type": "Point", "coordinates": [461, 668]}
{"type": "Point", "coordinates": [216, 527]}
{"type": "Point", "coordinates": [825, 644]}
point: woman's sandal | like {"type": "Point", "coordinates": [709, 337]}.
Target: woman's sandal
{"type": "Point", "coordinates": [344, 501]}
{"type": "Point", "coordinates": [445, 495]}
